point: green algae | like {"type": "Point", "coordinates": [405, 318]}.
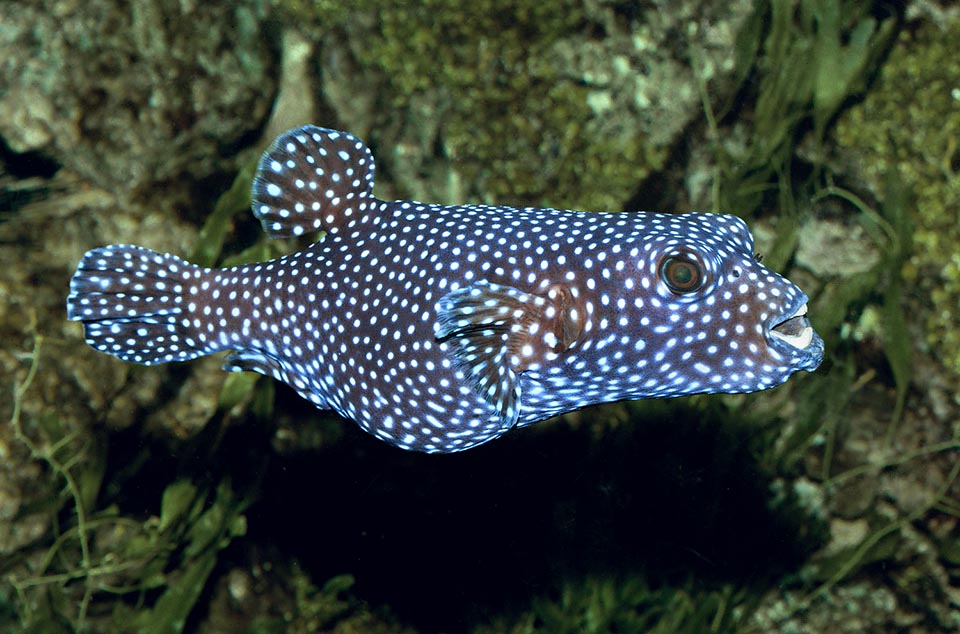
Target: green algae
{"type": "Point", "coordinates": [798, 65]}
{"type": "Point", "coordinates": [97, 555]}
{"type": "Point", "coordinates": [328, 608]}
{"type": "Point", "coordinates": [598, 605]}
{"type": "Point", "coordinates": [217, 226]}
{"type": "Point", "coordinates": [894, 131]}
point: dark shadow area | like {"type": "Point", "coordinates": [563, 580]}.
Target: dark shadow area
{"type": "Point", "coordinates": [26, 164]}
{"type": "Point", "coordinates": [442, 539]}
{"type": "Point", "coordinates": [23, 178]}
{"type": "Point", "coordinates": [446, 540]}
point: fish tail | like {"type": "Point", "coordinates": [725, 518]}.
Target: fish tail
{"type": "Point", "coordinates": [132, 303]}
{"type": "Point", "coordinates": [313, 179]}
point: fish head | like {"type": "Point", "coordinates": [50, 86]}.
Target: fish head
{"type": "Point", "coordinates": [718, 319]}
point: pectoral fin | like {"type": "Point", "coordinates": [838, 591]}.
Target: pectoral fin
{"type": "Point", "coordinates": [497, 332]}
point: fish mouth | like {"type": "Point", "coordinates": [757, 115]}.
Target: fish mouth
{"type": "Point", "coordinates": [795, 329]}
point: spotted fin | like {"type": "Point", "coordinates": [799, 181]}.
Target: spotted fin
{"type": "Point", "coordinates": [496, 332]}
{"type": "Point", "coordinates": [130, 301]}
{"type": "Point", "coordinates": [313, 179]}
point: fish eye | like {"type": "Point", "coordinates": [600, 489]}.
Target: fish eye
{"type": "Point", "coordinates": [682, 273]}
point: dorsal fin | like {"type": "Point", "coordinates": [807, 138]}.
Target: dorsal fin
{"type": "Point", "coordinates": [497, 332]}
{"type": "Point", "coordinates": [313, 179]}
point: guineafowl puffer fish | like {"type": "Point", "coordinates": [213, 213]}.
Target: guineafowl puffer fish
{"type": "Point", "coordinates": [438, 328]}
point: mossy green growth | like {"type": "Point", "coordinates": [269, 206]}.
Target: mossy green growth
{"type": "Point", "coordinates": [514, 123]}
{"type": "Point", "coordinates": [910, 123]}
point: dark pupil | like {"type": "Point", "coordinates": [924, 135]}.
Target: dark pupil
{"type": "Point", "coordinates": [681, 275]}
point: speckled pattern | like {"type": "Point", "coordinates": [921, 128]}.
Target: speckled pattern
{"type": "Point", "coordinates": [437, 328]}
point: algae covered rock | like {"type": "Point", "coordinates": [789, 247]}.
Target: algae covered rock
{"type": "Point", "coordinates": [569, 104]}
{"type": "Point", "coordinates": [910, 123]}
{"type": "Point", "coordinates": [132, 94]}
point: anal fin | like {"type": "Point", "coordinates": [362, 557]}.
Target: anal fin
{"type": "Point", "coordinates": [249, 360]}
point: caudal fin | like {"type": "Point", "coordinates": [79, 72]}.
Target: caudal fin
{"type": "Point", "coordinates": [313, 179]}
{"type": "Point", "coordinates": [131, 302]}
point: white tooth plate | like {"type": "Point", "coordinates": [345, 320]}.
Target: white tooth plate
{"type": "Point", "coordinates": [798, 341]}
{"type": "Point", "coordinates": [802, 340]}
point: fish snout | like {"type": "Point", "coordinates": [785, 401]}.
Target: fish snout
{"type": "Point", "coordinates": [792, 335]}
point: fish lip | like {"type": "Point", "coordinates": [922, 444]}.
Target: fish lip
{"type": "Point", "coordinates": [793, 328]}
{"type": "Point", "coordinates": [791, 333]}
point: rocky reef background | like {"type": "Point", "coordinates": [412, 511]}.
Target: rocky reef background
{"type": "Point", "coordinates": [179, 498]}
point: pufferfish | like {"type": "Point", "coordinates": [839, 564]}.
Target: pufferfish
{"type": "Point", "coordinates": [437, 328]}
